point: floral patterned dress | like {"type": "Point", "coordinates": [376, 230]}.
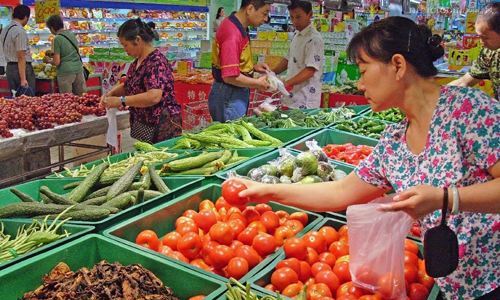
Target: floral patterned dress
{"type": "Point", "coordinates": [463, 142]}
{"type": "Point", "coordinates": [155, 72]}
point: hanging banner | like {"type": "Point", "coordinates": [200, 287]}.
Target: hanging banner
{"type": "Point", "coordinates": [46, 8]}
{"type": "Point", "coordinates": [9, 2]}
{"type": "Point", "coordinates": [164, 2]}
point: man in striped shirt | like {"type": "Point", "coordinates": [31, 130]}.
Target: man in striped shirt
{"type": "Point", "coordinates": [16, 50]}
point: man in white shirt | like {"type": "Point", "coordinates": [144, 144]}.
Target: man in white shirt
{"type": "Point", "coordinates": [305, 59]}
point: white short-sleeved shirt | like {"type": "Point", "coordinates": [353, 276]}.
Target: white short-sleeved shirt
{"type": "Point", "coordinates": [17, 40]}
{"type": "Point", "coordinates": [306, 50]}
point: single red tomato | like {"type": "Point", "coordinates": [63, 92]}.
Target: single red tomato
{"type": "Point", "coordinates": [342, 271]}
{"type": "Point", "coordinates": [370, 297]}
{"type": "Point", "coordinates": [207, 248]}
{"type": "Point", "coordinates": [235, 244]}
{"type": "Point", "coordinates": [249, 254]}
{"type": "Point", "coordinates": [411, 273]}
{"type": "Point", "coordinates": [316, 241]}
{"type": "Point", "coordinates": [328, 258]}
{"type": "Point", "coordinates": [220, 256]}
{"type": "Point", "coordinates": [292, 263]}
{"type": "Point", "coordinates": [198, 297]}
{"type": "Point", "coordinates": [222, 203]}
{"type": "Point", "coordinates": [418, 292]}
{"type": "Point", "coordinates": [330, 234]}
{"type": "Point", "coordinates": [186, 227]}
{"type": "Point", "coordinates": [178, 256]}
{"type": "Point", "coordinates": [264, 244]}
{"type": "Point", "coordinates": [390, 286]}
{"type": "Point", "coordinates": [339, 249]}
{"type": "Point", "coordinates": [181, 220]}
{"type": "Point", "coordinates": [221, 233]}
{"type": "Point", "coordinates": [282, 214]}
{"type": "Point", "coordinates": [295, 247]}
{"type": "Point", "coordinates": [329, 278]}
{"type": "Point", "coordinates": [299, 216]}
{"type": "Point", "coordinates": [230, 191]}
{"type": "Point", "coordinates": [425, 279]}
{"type": "Point", "coordinates": [343, 231]}
{"type": "Point", "coordinates": [317, 291]}
{"type": "Point", "coordinates": [259, 225]}
{"type": "Point", "coordinates": [237, 267]}
{"type": "Point", "coordinates": [263, 207]}
{"type": "Point", "coordinates": [237, 226]}
{"type": "Point", "coordinates": [190, 245]}
{"type": "Point", "coordinates": [348, 288]}
{"type": "Point", "coordinates": [205, 219]}
{"type": "Point", "coordinates": [293, 289]}
{"type": "Point", "coordinates": [189, 213]}
{"type": "Point", "coordinates": [270, 287]}
{"type": "Point", "coordinates": [247, 235]}
{"type": "Point", "coordinates": [200, 263]}
{"type": "Point", "coordinates": [294, 225]}
{"type": "Point", "coordinates": [148, 239]}
{"type": "Point", "coordinates": [305, 271]}
{"type": "Point", "coordinates": [165, 250]}
{"type": "Point", "coordinates": [411, 258]}
{"type": "Point", "coordinates": [319, 267]}
{"type": "Point", "coordinates": [270, 220]}
{"type": "Point", "coordinates": [283, 277]}
{"type": "Point", "coordinates": [206, 204]}
{"type": "Point", "coordinates": [312, 256]}
{"type": "Point", "coordinates": [411, 246]}
{"type": "Point", "coordinates": [171, 239]}
{"type": "Point", "coordinates": [251, 214]}
{"type": "Point", "coordinates": [281, 234]}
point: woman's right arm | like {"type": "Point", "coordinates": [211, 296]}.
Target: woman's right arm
{"type": "Point", "coordinates": [117, 91]}
{"type": "Point", "coordinates": [327, 196]}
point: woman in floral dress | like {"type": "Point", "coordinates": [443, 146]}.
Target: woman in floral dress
{"type": "Point", "coordinates": [148, 90]}
{"type": "Point", "coordinates": [450, 136]}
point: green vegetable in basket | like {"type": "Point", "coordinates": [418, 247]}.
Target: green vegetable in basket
{"type": "Point", "coordinates": [143, 146]}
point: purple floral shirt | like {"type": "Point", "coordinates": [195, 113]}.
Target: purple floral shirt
{"type": "Point", "coordinates": [155, 72]}
{"type": "Point", "coordinates": [463, 142]}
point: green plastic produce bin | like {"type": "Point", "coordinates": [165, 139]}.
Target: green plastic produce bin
{"type": "Point", "coordinates": [260, 280]}
{"type": "Point", "coordinates": [177, 185]}
{"type": "Point", "coordinates": [112, 159]}
{"type": "Point", "coordinates": [329, 136]}
{"type": "Point", "coordinates": [284, 135]}
{"type": "Point", "coordinates": [162, 221]}
{"type": "Point", "coordinates": [259, 294]}
{"type": "Point", "coordinates": [11, 226]}
{"type": "Point", "coordinates": [244, 168]}
{"type": "Point", "coordinates": [250, 153]}
{"type": "Point", "coordinates": [91, 249]}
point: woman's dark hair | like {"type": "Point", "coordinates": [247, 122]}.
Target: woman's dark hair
{"type": "Point", "coordinates": [257, 4]}
{"type": "Point", "coordinates": [397, 35]}
{"type": "Point", "coordinates": [306, 6]}
{"type": "Point", "coordinates": [491, 15]}
{"type": "Point", "coordinates": [131, 29]}
{"type": "Point", "coordinates": [20, 12]}
{"type": "Point", "coordinates": [219, 12]}
{"type": "Point", "coordinates": [152, 25]}
{"type": "Point", "coordinates": [55, 22]}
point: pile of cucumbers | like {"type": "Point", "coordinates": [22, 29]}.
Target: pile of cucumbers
{"type": "Point", "coordinates": [91, 199]}
{"type": "Point", "coordinates": [205, 163]}
{"type": "Point", "coordinates": [368, 127]}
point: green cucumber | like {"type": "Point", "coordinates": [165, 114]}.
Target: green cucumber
{"type": "Point", "coordinates": [45, 199]}
{"type": "Point", "coordinates": [146, 179]}
{"type": "Point", "coordinates": [220, 162]}
{"type": "Point", "coordinates": [157, 181]}
{"type": "Point", "coordinates": [94, 214]}
{"type": "Point", "coordinates": [24, 197]}
{"type": "Point", "coordinates": [121, 202]}
{"type": "Point", "coordinates": [258, 143]}
{"type": "Point", "coordinates": [71, 185]}
{"type": "Point", "coordinates": [261, 135]}
{"type": "Point", "coordinates": [98, 193]}
{"type": "Point", "coordinates": [95, 201]}
{"type": "Point", "coordinates": [184, 164]}
{"type": "Point", "coordinates": [140, 196]}
{"type": "Point", "coordinates": [30, 209]}
{"type": "Point", "coordinates": [56, 198]}
{"type": "Point", "coordinates": [200, 171]}
{"type": "Point", "coordinates": [124, 183]}
{"type": "Point", "coordinates": [148, 194]}
{"type": "Point", "coordinates": [81, 191]}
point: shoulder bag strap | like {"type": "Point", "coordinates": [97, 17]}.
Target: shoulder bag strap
{"type": "Point", "coordinates": [76, 48]}
{"type": "Point", "coordinates": [6, 33]}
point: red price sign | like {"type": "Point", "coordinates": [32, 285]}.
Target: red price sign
{"type": "Point", "coordinates": [46, 8]}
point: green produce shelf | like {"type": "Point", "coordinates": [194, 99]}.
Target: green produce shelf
{"type": "Point", "coordinates": [112, 159]}
{"type": "Point", "coordinates": [250, 153]}
{"type": "Point", "coordinates": [162, 220]}
{"type": "Point", "coordinates": [367, 113]}
{"type": "Point", "coordinates": [260, 280]}
{"type": "Point", "coordinates": [357, 119]}
{"type": "Point", "coordinates": [329, 136]}
{"type": "Point", "coordinates": [284, 135]}
{"type": "Point", "coordinates": [245, 167]}
{"type": "Point", "coordinates": [91, 249]}
{"type": "Point", "coordinates": [177, 185]}
{"type": "Point", "coordinates": [11, 226]}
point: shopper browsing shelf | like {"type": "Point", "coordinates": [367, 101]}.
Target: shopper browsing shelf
{"type": "Point", "coordinates": [66, 56]}
{"type": "Point", "coordinates": [449, 137]}
{"type": "Point", "coordinates": [14, 39]}
{"type": "Point", "coordinates": [232, 65]}
{"type": "Point", "coordinates": [487, 65]}
{"type": "Point", "coordinates": [305, 59]}
{"type": "Point", "coordinates": [148, 90]}
{"type": "Point", "coordinates": [219, 18]}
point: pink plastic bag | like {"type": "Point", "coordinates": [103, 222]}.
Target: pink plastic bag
{"type": "Point", "coordinates": [376, 248]}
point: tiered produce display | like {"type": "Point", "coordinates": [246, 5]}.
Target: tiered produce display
{"type": "Point", "coordinates": [163, 219]}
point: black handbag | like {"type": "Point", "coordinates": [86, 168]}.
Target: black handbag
{"type": "Point", "coordinates": [441, 246]}
{"type": "Point", "coordinates": [86, 72]}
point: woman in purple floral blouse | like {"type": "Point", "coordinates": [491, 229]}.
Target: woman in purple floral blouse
{"type": "Point", "coordinates": [148, 90]}
{"type": "Point", "coordinates": [450, 137]}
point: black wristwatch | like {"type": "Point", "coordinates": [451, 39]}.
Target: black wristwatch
{"type": "Point", "coordinates": [122, 100]}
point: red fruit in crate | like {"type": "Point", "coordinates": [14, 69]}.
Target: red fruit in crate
{"type": "Point", "coordinates": [328, 258]}
{"type": "Point", "coordinates": [305, 271]}
{"type": "Point", "coordinates": [329, 234]}
{"type": "Point", "coordinates": [221, 233]}
{"type": "Point", "coordinates": [411, 273]}
{"type": "Point", "coordinates": [299, 216]}
{"type": "Point", "coordinates": [190, 245]}
{"type": "Point", "coordinates": [293, 289]}
{"type": "Point", "coordinates": [220, 256]}
{"type": "Point", "coordinates": [205, 219]}
{"type": "Point", "coordinates": [237, 226]}
{"type": "Point", "coordinates": [292, 263]}
{"type": "Point", "coordinates": [282, 233]}
{"type": "Point", "coordinates": [295, 247]}
{"type": "Point", "coordinates": [247, 235]}
{"type": "Point", "coordinates": [329, 278]}
{"type": "Point", "coordinates": [264, 244]}
{"type": "Point", "coordinates": [230, 190]}
{"type": "Point", "coordinates": [390, 286]}
{"type": "Point", "coordinates": [249, 254]}
{"type": "Point", "coordinates": [348, 288]}
{"type": "Point", "coordinates": [318, 291]}
{"type": "Point", "coordinates": [315, 241]}
{"type": "Point", "coordinates": [148, 239]}
{"type": "Point", "coordinates": [237, 267]}
{"type": "Point", "coordinates": [171, 239]}
{"type": "Point", "coordinates": [312, 256]}
{"type": "Point", "coordinates": [319, 267]}
{"type": "Point", "coordinates": [294, 225]}
{"type": "Point", "coordinates": [342, 271]}
{"type": "Point", "coordinates": [270, 220]}
{"type": "Point", "coordinates": [263, 207]}
{"type": "Point", "coordinates": [283, 277]}
{"type": "Point", "coordinates": [251, 214]}
{"type": "Point", "coordinates": [418, 292]}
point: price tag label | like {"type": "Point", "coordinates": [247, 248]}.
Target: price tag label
{"type": "Point", "coordinates": [46, 8]}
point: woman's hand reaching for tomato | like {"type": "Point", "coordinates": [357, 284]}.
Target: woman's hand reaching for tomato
{"type": "Point", "coordinates": [417, 201]}
{"type": "Point", "coordinates": [253, 191]}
